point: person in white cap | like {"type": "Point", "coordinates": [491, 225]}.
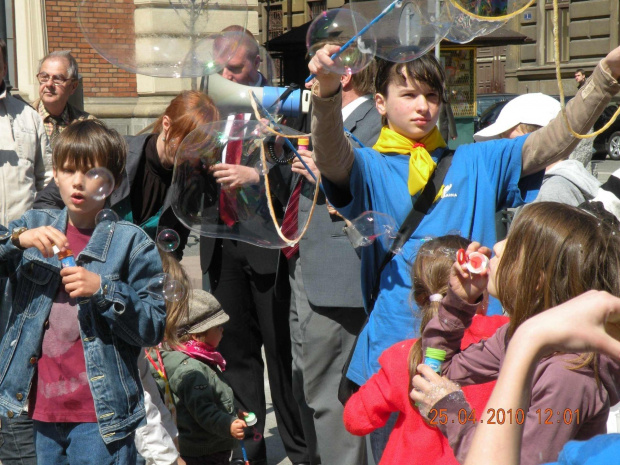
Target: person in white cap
{"type": "Point", "coordinates": [566, 181]}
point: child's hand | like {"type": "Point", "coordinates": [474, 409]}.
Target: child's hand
{"type": "Point", "coordinates": [43, 239]}
{"type": "Point", "coordinates": [429, 388]}
{"type": "Point", "coordinates": [236, 429]}
{"type": "Point", "coordinates": [329, 82]}
{"type": "Point", "coordinates": [79, 282]}
{"type": "Point", "coordinates": [469, 286]}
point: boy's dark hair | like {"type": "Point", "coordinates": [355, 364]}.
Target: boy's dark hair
{"type": "Point", "coordinates": [580, 70]}
{"type": "Point", "coordinates": [89, 143]}
{"type": "Point", "coordinates": [424, 69]}
{"type": "Point", "coordinates": [5, 53]}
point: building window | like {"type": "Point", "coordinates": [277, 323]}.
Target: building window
{"type": "Point", "coordinates": [563, 20]}
{"type": "Point", "coordinates": [316, 7]}
{"type": "Point", "coordinates": [276, 27]}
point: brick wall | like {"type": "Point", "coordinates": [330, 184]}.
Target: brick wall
{"type": "Point", "coordinates": [101, 79]}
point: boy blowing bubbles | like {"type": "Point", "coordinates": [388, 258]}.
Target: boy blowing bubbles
{"type": "Point", "coordinates": [482, 179]}
{"type": "Point", "coordinates": [70, 352]}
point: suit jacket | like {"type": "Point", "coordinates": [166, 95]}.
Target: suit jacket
{"type": "Point", "coordinates": [331, 266]}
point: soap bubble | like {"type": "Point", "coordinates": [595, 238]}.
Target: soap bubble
{"type": "Point", "coordinates": [173, 291]}
{"type": "Point", "coordinates": [157, 283]}
{"type": "Point", "coordinates": [464, 28]}
{"type": "Point", "coordinates": [106, 215]}
{"type": "Point", "coordinates": [168, 240]}
{"type": "Point", "coordinates": [337, 27]}
{"type": "Point", "coordinates": [370, 226]}
{"type": "Point", "coordinates": [239, 213]}
{"type": "Point", "coordinates": [173, 39]}
{"type": "Point", "coordinates": [491, 9]}
{"type": "Point", "coordinates": [409, 30]}
{"type": "Point", "coordinates": [98, 183]}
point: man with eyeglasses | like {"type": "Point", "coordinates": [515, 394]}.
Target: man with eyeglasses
{"type": "Point", "coordinates": [58, 80]}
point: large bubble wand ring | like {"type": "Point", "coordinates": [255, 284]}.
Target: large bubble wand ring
{"type": "Point", "coordinates": [362, 31]}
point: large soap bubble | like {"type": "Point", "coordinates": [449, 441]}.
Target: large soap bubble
{"type": "Point", "coordinates": [492, 9]}
{"type": "Point", "coordinates": [465, 28]}
{"type": "Point", "coordinates": [179, 38]}
{"type": "Point", "coordinates": [337, 27]}
{"type": "Point", "coordinates": [409, 30]}
{"type": "Point", "coordinates": [231, 150]}
{"type": "Point", "coordinates": [98, 183]}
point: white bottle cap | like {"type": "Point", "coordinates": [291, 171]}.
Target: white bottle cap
{"type": "Point", "coordinates": [250, 419]}
{"type": "Point", "coordinates": [55, 249]}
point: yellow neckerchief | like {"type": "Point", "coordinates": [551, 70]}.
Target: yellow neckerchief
{"type": "Point", "coordinates": [421, 165]}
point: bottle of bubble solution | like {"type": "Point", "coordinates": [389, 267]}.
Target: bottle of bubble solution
{"type": "Point", "coordinates": [303, 143]}
{"type": "Point", "coordinates": [433, 358]}
{"type": "Point", "coordinates": [66, 258]}
{"type": "Point", "coordinates": [250, 419]}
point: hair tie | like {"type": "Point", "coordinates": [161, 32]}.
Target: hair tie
{"type": "Point", "coordinates": [435, 297]}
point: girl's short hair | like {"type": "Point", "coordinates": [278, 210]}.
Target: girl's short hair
{"type": "Point", "coordinates": [187, 111]}
{"type": "Point", "coordinates": [425, 69]}
{"type": "Point", "coordinates": [89, 143]}
{"type": "Point", "coordinates": [430, 275]}
{"type": "Point", "coordinates": [555, 252]}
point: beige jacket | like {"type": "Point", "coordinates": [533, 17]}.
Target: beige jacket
{"type": "Point", "coordinates": [25, 157]}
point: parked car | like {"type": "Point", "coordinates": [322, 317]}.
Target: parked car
{"type": "Point", "coordinates": [607, 144]}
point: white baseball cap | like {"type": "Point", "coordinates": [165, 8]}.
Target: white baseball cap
{"type": "Point", "coordinates": [536, 108]}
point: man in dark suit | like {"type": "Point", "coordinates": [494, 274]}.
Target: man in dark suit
{"type": "Point", "coordinates": [242, 277]}
{"type": "Point", "coordinates": [326, 300]}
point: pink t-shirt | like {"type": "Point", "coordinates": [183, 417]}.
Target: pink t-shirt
{"type": "Point", "coordinates": [62, 393]}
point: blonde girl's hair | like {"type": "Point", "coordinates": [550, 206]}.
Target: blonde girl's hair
{"type": "Point", "coordinates": [430, 275]}
{"type": "Point", "coordinates": [553, 253]}
{"type": "Point", "coordinates": [176, 312]}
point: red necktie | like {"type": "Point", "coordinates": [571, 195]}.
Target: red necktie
{"type": "Point", "coordinates": [289, 224]}
{"type": "Point", "coordinates": [234, 149]}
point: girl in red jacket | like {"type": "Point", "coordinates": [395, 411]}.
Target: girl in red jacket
{"type": "Point", "coordinates": [413, 441]}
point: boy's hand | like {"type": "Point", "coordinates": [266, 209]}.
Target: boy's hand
{"type": "Point", "coordinates": [43, 238]}
{"type": "Point", "coordinates": [79, 282]}
{"type": "Point", "coordinates": [329, 82]}
{"type": "Point", "coordinates": [469, 286]}
{"type": "Point", "coordinates": [236, 429]}
{"type": "Point", "coordinates": [231, 176]}
{"type": "Point", "coordinates": [297, 166]}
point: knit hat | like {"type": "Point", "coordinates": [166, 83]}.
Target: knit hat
{"type": "Point", "coordinates": [537, 108]}
{"type": "Point", "coordinates": [205, 312]}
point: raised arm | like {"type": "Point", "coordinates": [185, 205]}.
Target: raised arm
{"type": "Point", "coordinates": [554, 142]}
{"type": "Point", "coordinates": [590, 322]}
{"type": "Point", "coordinates": [332, 150]}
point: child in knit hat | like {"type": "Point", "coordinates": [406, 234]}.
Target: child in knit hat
{"type": "Point", "coordinates": [190, 370]}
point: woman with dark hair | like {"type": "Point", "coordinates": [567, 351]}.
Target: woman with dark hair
{"type": "Point", "coordinates": [142, 197]}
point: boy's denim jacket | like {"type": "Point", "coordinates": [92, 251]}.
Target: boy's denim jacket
{"type": "Point", "coordinates": [115, 323]}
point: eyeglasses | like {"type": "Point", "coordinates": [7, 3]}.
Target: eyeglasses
{"type": "Point", "coordinates": [56, 80]}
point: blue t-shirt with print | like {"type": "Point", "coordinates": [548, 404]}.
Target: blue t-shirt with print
{"type": "Point", "coordinates": [483, 178]}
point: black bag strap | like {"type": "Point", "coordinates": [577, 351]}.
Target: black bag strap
{"type": "Point", "coordinates": [414, 218]}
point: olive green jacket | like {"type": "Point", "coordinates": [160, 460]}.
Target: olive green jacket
{"type": "Point", "coordinates": [204, 404]}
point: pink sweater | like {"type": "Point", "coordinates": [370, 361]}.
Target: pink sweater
{"type": "Point", "coordinates": [413, 441]}
{"type": "Point", "coordinates": [557, 392]}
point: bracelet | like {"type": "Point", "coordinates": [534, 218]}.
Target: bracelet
{"type": "Point", "coordinates": [279, 161]}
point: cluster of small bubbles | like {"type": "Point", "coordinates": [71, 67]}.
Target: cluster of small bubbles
{"type": "Point", "coordinates": [106, 215]}
{"type": "Point", "coordinates": [168, 240]}
{"type": "Point", "coordinates": [98, 183]}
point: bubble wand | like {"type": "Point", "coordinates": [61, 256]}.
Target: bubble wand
{"type": "Point", "coordinates": [347, 44]}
